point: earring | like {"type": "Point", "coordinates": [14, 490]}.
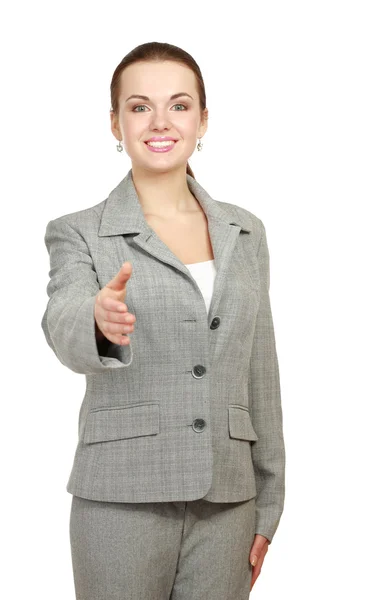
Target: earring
{"type": "Point", "coordinates": [199, 145]}
{"type": "Point", "coordinates": [119, 147]}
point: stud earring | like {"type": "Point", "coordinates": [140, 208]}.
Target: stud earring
{"type": "Point", "coordinates": [119, 147]}
{"type": "Point", "coordinates": [199, 145]}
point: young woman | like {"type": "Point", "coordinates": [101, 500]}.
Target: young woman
{"type": "Point", "coordinates": [160, 296]}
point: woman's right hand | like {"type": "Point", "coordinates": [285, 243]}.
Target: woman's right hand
{"type": "Point", "coordinates": [111, 314]}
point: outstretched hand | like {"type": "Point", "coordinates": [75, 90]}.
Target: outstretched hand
{"type": "Point", "coordinates": [111, 314]}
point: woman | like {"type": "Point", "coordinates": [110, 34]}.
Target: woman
{"type": "Point", "coordinates": [178, 476]}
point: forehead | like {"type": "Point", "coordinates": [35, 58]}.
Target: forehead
{"type": "Point", "coordinates": [157, 79]}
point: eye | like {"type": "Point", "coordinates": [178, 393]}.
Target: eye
{"type": "Point", "coordinates": [143, 105]}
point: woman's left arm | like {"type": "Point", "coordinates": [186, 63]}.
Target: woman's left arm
{"type": "Point", "coordinates": [268, 452]}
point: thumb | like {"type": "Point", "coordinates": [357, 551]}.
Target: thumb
{"type": "Point", "coordinates": [254, 558]}
{"type": "Point", "coordinates": [119, 281]}
{"type": "Point", "coordinates": [259, 546]}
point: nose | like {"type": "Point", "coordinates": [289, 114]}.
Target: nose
{"type": "Point", "coordinates": [160, 120]}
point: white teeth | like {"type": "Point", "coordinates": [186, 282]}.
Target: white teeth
{"type": "Point", "coordinates": [160, 144]}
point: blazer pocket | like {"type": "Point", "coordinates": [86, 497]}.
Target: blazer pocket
{"type": "Point", "coordinates": [121, 422]}
{"type": "Point", "coordinates": [240, 424]}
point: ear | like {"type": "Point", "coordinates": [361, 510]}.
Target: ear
{"type": "Point", "coordinates": [204, 123]}
{"type": "Point", "coordinates": [115, 126]}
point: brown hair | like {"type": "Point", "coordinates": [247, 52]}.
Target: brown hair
{"type": "Point", "coordinates": [157, 51]}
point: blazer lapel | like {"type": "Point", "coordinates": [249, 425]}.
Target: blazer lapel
{"type": "Point", "coordinates": [123, 215]}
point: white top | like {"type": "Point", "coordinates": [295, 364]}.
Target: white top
{"type": "Point", "coordinates": [204, 273]}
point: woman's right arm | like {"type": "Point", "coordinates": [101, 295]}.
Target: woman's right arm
{"type": "Point", "coordinates": [68, 322]}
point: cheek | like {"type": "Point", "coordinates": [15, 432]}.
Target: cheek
{"type": "Point", "coordinates": [133, 129]}
{"type": "Point", "coordinates": [186, 125]}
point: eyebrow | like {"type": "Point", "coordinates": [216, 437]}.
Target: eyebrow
{"type": "Point", "coordinates": [147, 97]}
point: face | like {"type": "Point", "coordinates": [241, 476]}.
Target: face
{"type": "Point", "coordinates": [140, 119]}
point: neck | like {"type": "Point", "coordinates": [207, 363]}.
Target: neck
{"type": "Point", "coordinates": [164, 193]}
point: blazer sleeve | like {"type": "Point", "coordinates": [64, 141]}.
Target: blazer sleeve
{"type": "Point", "coordinates": [268, 452]}
{"type": "Point", "coordinates": [68, 321]}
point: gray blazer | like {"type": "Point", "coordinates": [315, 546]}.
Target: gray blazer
{"type": "Point", "coordinates": [191, 408]}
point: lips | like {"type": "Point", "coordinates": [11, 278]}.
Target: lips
{"type": "Point", "coordinates": [161, 139]}
{"type": "Point", "coordinates": [161, 146]}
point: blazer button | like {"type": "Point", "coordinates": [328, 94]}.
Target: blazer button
{"type": "Point", "coordinates": [215, 323]}
{"type": "Point", "coordinates": [198, 371]}
{"type": "Point", "coordinates": [199, 425]}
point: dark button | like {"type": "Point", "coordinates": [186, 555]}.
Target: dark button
{"type": "Point", "coordinates": [215, 323]}
{"type": "Point", "coordinates": [199, 425]}
{"type": "Point", "coordinates": [198, 371]}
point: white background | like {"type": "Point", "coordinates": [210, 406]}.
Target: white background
{"type": "Point", "coordinates": [291, 97]}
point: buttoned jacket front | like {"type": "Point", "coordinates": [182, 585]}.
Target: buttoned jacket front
{"type": "Point", "coordinates": [191, 408]}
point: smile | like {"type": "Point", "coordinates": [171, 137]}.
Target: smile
{"type": "Point", "coordinates": [160, 146]}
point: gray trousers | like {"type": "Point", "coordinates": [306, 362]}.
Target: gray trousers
{"type": "Point", "coordinates": [161, 550]}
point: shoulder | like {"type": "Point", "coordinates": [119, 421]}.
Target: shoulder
{"type": "Point", "coordinates": [246, 218]}
{"type": "Point", "coordinates": [81, 220]}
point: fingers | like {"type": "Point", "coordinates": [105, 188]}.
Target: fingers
{"type": "Point", "coordinates": [255, 573]}
{"type": "Point", "coordinates": [110, 304]}
{"type": "Point", "coordinates": [109, 310]}
{"type": "Point", "coordinates": [257, 554]}
{"type": "Point", "coordinates": [115, 325]}
{"type": "Point", "coordinates": [116, 333]}
{"type": "Point", "coordinates": [112, 316]}
{"type": "Point", "coordinates": [120, 339]}
{"type": "Point", "coordinates": [116, 328]}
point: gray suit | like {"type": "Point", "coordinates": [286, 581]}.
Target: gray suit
{"type": "Point", "coordinates": [191, 408]}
